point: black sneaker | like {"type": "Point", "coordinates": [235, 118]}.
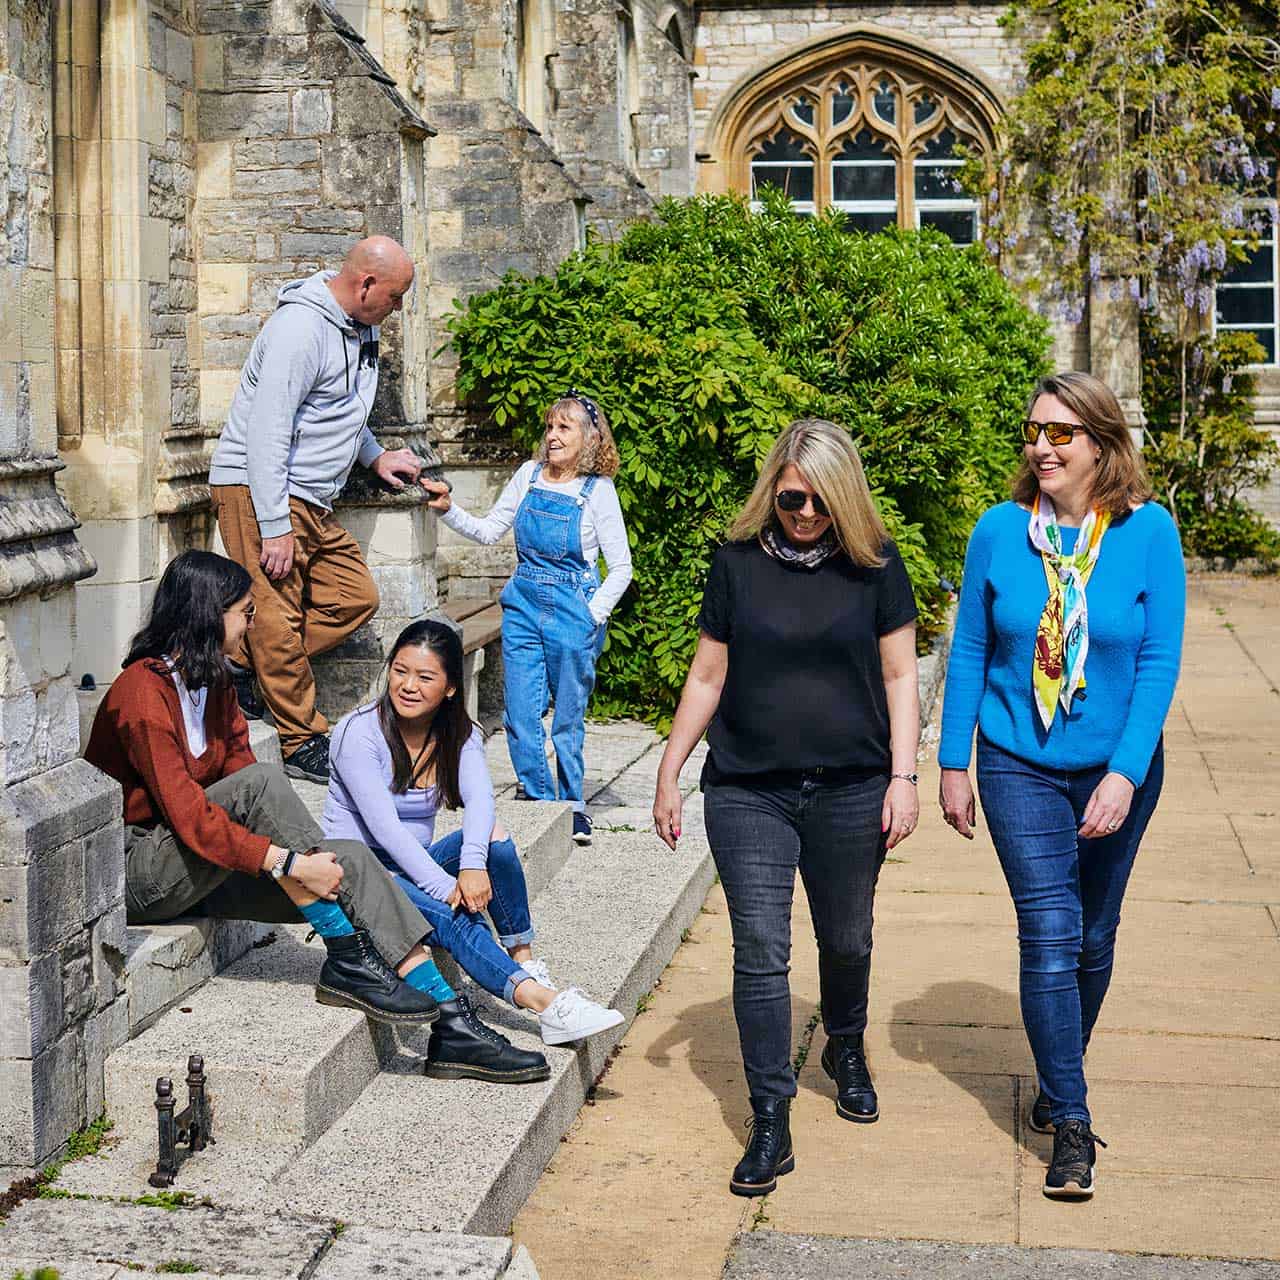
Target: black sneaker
{"type": "Point", "coordinates": [1038, 1117]}
{"type": "Point", "coordinates": [581, 829]}
{"type": "Point", "coordinates": [310, 761]}
{"type": "Point", "coordinates": [844, 1061]}
{"type": "Point", "coordinates": [1070, 1175]}
{"type": "Point", "coordinates": [463, 1048]}
{"type": "Point", "coordinates": [251, 705]}
{"type": "Point", "coordinates": [355, 976]}
{"type": "Point", "coordinates": [768, 1155]}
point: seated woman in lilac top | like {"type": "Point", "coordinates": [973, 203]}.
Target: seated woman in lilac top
{"type": "Point", "coordinates": [393, 765]}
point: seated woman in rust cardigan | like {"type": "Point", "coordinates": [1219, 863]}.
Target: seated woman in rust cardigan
{"type": "Point", "coordinates": [208, 828]}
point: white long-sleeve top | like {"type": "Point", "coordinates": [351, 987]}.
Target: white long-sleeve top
{"type": "Point", "coordinates": [602, 528]}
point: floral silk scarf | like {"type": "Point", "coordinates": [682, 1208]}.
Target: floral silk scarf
{"type": "Point", "coordinates": [1062, 638]}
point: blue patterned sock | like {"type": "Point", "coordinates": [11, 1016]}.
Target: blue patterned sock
{"type": "Point", "coordinates": [426, 977]}
{"type": "Point", "coordinates": [327, 918]}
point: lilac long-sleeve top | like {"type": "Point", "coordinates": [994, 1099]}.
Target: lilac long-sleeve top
{"type": "Point", "coordinates": [361, 805]}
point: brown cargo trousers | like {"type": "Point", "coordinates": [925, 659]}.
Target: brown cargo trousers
{"type": "Point", "coordinates": [323, 598]}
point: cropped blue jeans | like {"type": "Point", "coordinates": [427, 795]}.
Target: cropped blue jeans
{"type": "Point", "coordinates": [1067, 892]}
{"type": "Point", "coordinates": [464, 934]}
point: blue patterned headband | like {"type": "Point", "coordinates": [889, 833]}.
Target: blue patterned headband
{"type": "Point", "coordinates": [586, 402]}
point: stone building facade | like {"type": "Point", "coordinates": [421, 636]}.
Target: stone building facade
{"type": "Point", "coordinates": [170, 163]}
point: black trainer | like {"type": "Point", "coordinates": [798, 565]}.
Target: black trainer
{"type": "Point", "coordinates": [463, 1048]}
{"type": "Point", "coordinates": [768, 1155]}
{"type": "Point", "coordinates": [845, 1062]}
{"type": "Point", "coordinates": [1039, 1117]}
{"type": "Point", "coordinates": [355, 976]}
{"type": "Point", "coordinates": [310, 761]}
{"type": "Point", "coordinates": [1070, 1175]}
{"type": "Point", "coordinates": [581, 829]}
{"type": "Point", "coordinates": [251, 705]}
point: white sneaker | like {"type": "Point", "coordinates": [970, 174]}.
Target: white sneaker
{"type": "Point", "coordinates": [538, 971]}
{"type": "Point", "coordinates": [573, 1016]}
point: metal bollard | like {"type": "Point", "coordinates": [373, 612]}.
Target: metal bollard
{"type": "Point", "coordinates": [193, 1126]}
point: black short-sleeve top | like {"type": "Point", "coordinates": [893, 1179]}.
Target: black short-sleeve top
{"type": "Point", "coordinates": [804, 687]}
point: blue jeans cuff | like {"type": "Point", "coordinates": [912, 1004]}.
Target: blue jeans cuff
{"type": "Point", "coordinates": [510, 940]}
{"type": "Point", "coordinates": [513, 981]}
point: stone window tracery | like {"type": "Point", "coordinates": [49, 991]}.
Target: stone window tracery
{"type": "Point", "coordinates": [879, 142]}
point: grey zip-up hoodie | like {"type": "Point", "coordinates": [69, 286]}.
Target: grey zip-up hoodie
{"type": "Point", "coordinates": [298, 422]}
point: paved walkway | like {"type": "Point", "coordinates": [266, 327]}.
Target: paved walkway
{"type": "Point", "coordinates": [1184, 1068]}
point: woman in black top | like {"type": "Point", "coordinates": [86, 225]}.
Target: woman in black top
{"type": "Point", "coordinates": [807, 662]}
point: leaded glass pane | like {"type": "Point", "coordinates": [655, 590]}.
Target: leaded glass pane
{"type": "Point", "coordinates": [925, 108]}
{"type": "Point", "coordinates": [1256, 268]}
{"type": "Point", "coordinates": [803, 108]}
{"type": "Point", "coordinates": [842, 103]}
{"type": "Point", "coordinates": [885, 101]}
{"type": "Point", "coordinates": [784, 145]}
{"type": "Point", "coordinates": [1247, 306]}
{"type": "Point", "coordinates": [869, 221]}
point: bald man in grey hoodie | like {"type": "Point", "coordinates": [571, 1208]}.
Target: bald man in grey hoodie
{"type": "Point", "coordinates": [298, 424]}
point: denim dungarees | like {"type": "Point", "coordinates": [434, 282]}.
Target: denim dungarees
{"type": "Point", "coordinates": [550, 641]}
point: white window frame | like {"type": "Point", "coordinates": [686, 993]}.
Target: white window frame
{"type": "Point", "coordinates": [800, 206]}
{"type": "Point", "coordinates": [1271, 208]}
{"type": "Point", "coordinates": [960, 204]}
{"type": "Point", "coordinates": [867, 206]}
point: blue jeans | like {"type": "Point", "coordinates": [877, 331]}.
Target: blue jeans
{"type": "Point", "coordinates": [1068, 894]}
{"type": "Point", "coordinates": [550, 644]}
{"type": "Point", "coordinates": [464, 934]}
{"type": "Point", "coordinates": [760, 834]}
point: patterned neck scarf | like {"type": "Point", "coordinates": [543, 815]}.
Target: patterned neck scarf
{"type": "Point", "coordinates": [1062, 638]}
{"type": "Point", "coordinates": [775, 543]}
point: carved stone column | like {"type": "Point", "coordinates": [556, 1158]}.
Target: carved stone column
{"type": "Point", "coordinates": [62, 913]}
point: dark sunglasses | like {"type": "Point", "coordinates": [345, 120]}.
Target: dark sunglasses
{"type": "Point", "coordinates": [1054, 432]}
{"type": "Point", "coordinates": [794, 499]}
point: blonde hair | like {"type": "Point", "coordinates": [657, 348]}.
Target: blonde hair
{"type": "Point", "coordinates": [599, 456]}
{"type": "Point", "coordinates": [830, 462]}
{"type": "Point", "coordinates": [1120, 480]}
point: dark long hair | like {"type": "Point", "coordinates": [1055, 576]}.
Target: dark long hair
{"type": "Point", "coordinates": [186, 617]}
{"type": "Point", "coordinates": [450, 728]}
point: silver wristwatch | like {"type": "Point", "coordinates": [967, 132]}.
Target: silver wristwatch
{"type": "Point", "coordinates": [913, 778]}
{"type": "Point", "coordinates": [284, 865]}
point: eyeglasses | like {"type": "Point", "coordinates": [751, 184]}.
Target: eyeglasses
{"type": "Point", "coordinates": [1055, 432]}
{"type": "Point", "coordinates": [793, 500]}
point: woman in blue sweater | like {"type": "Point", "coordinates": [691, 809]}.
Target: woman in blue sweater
{"type": "Point", "coordinates": [1081, 575]}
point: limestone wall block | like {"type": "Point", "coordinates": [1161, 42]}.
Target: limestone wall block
{"type": "Point", "coordinates": [311, 112]}
{"type": "Point", "coordinates": [213, 170]}
{"type": "Point", "coordinates": [104, 1033]}
{"type": "Point", "coordinates": [36, 305]}
{"type": "Point", "coordinates": [179, 56]}
{"type": "Point", "coordinates": [45, 902]}
{"type": "Point", "coordinates": [42, 1101]}
{"type": "Point", "coordinates": [104, 875]}
{"type": "Point", "coordinates": [12, 441]}
{"type": "Point", "coordinates": [222, 288]}
{"type": "Point", "coordinates": [217, 390]}
{"type": "Point", "coordinates": [298, 185]}
{"type": "Point", "coordinates": [243, 115]}
{"type": "Point", "coordinates": [30, 1006]}
{"type": "Point", "coordinates": [126, 308]}
{"type": "Point", "coordinates": [256, 60]}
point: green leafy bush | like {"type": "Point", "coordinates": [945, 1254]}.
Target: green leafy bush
{"type": "Point", "coordinates": [1202, 448]}
{"type": "Point", "coordinates": [706, 331]}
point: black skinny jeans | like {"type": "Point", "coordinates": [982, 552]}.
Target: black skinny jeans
{"type": "Point", "coordinates": [759, 835]}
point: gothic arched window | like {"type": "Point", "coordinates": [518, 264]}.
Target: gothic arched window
{"type": "Point", "coordinates": [871, 134]}
{"type": "Point", "coordinates": [628, 85]}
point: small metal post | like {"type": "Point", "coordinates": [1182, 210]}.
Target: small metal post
{"type": "Point", "coordinates": [167, 1167]}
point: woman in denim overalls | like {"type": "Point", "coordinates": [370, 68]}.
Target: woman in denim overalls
{"type": "Point", "coordinates": [565, 512]}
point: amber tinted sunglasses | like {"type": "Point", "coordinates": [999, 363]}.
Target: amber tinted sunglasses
{"type": "Point", "coordinates": [1054, 432]}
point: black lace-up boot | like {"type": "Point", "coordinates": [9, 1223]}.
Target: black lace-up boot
{"type": "Point", "coordinates": [1070, 1175]}
{"type": "Point", "coordinates": [768, 1155]}
{"type": "Point", "coordinates": [463, 1048]}
{"type": "Point", "coordinates": [845, 1062]}
{"type": "Point", "coordinates": [355, 976]}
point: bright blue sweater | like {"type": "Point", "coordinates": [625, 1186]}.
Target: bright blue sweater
{"type": "Point", "coordinates": [1137, 603]}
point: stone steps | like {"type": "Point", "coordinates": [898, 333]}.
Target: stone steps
{"type": "Point", "coordinates": [115, 1241]}
{"type": "Point", "coordinates": [303, 1113]}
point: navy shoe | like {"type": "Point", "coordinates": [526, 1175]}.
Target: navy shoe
{"type": "Point", "coordinates": [581, 829]}
{"type": "Point", "coordinates": [1071, 1175]}
{"type": "Point", "coordinates": [310, 761]}
{"type": "Point", "coordinates": [1039, 1117]}
{"type": "Point", "coordinates": [251, 705]}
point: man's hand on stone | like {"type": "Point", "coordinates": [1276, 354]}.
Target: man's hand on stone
{"type": "Point", "coordinates": [277, 556]}
{"type": "Point", "coordinates": [397, 467]}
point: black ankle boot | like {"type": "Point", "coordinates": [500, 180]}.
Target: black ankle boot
{"type": "Point", "coordinates": [768, 1155]}
{"type": "Point", "coordinates": [845, 1062]}
{"type": "Point", "coordinates": [463, 1048]}
{"type": "Point", "coordinates": [355, 976]}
